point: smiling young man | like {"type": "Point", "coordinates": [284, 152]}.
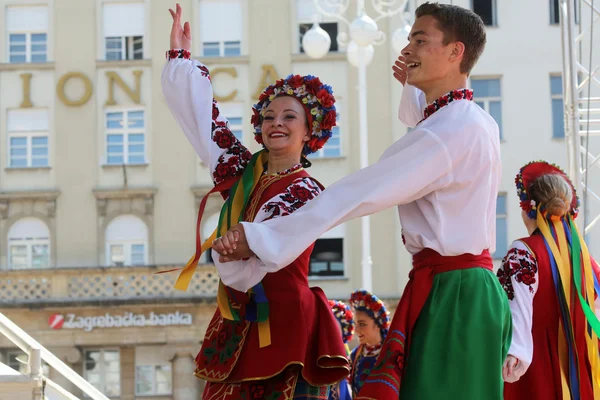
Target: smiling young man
{"type": "Point", "coordinates": [452, 329]}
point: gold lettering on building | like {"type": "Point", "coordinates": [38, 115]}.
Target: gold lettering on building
{"type": "Point", "coordinates": [26, 80]}
{"type": "Point", "coordinates": [87, 89]}
{"type": "Point", "coordinates": [268, 77]}
{"type": "Point", "coordinates": [113, 78]}
{"type": "Point", "coordinates": [231, 72]}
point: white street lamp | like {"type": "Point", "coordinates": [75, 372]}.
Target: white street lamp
{"type": "Point", "coordinates": [364, 34]}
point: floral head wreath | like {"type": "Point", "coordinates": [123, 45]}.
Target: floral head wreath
{"type": "Point", "coordinates": [528, 174]}
{"type": "Point", "coordinates": [345, 317]}
{"type": "Point", "coordinates": [361, 300]}
{"type": "Point", "coordinates": [317, 100]}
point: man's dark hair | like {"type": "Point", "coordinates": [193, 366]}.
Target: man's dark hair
{"type": "Point", "coordinates": [458, 25]}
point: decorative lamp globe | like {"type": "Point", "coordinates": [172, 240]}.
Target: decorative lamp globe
{"type": "Point", "coordinates": [399, 38]}
{"type": "Point", "coordinates": [353, 53]}
{"type": "Point", "coordinates": [316, 42]}
{"type": "Point", "coordinates": [363, 30]}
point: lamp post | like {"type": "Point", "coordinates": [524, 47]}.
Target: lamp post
{"type": "Point", "coordinates": [364, 34]}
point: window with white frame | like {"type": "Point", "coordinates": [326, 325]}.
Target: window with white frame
{"type": "Point", "coordinates": [234, 113]}
{"type": "Point", "coordinates": [487, 94]}
{"type": "Point", "coordinates": [153, 380]}
{"type": "Point", "coordinates": [125, 138]}
{"type": "Point", "coordinates": [27, 33]}
{"type": "Point", "coordinates": [221, 27]}
{"type": "Point", "coordinates": [28, 244]}
{"type": "Point", "coordinates": [558, 114]}
{"type": "Point", "coordinates": [327, 258]}
{"type": "Point", "coordinates": [305, 14]}
{"type": "Point", "coordinates": [28, 138]}
{"type": "Point", "coordinates": [487, 10]}
{"type": "Point", "coordinates": [126, 241]}
{"type": "Point", "coordinates": [501, 227]}
{"type": "Point", "coordinates": [102, 368]}
{"type": "Point", "coordinates": [123, 31]}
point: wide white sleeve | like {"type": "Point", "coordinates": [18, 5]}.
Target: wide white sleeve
{"type": "Point", "coordinates": [188, 92]}
{"type": "Point", "coordinates": [518, 276]}
{"type": "Point", "coordinates": [414, 166]}
{"type": "Point", "coordinates": [243, 275]}
{"type": "Point", "coordinates": [412, 104]}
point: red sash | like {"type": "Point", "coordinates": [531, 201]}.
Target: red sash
{"type": "Point", "coordinates": [386, 377]}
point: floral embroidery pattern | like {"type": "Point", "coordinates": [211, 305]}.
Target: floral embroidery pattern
{"type": "Point", "coordinates": [446, 99]}
{"type": "Point", "coordinates": [236, 157]}
{"type": "Point", "coordinates": [520, 265]}
{"type": "Point", "coordinates": [178, 53]}
{"type": "Point", "coordinates": [294, 197]}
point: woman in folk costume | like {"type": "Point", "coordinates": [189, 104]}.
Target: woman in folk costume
{"type": "Point", "coordinates": [372, 326]}
{"type": "Point", "coordinates": [255, 347]}
{"type": "Point", "coordinates": [550, 280]}
{"type": "Point", "coordinates": [345, 317]}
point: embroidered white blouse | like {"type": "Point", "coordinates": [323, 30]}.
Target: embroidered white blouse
{"type": "Point", "coordinates": [443, 177]}
{"type": "Point", "coordinates": [189, 95]}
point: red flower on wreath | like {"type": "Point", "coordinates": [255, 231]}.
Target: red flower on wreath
{"type": "Point", "coordinates": [325, 98]}
{"type": "Point", "coordinates": [255, 117]}
{"type": "Point", "coordinates": [296, 81]}
{"type": "Point", "coordinates": [313, 85]}
{"type": "Point", "coordinates": [328, 121]}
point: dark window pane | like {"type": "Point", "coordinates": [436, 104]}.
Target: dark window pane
{"type": "Point", "coordinates": [327, 258]}
{"type": "Point", "coordinates": [486, 9]}
{"type": "Point", "coordinates": [554, 12]}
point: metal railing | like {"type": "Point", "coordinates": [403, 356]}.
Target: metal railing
{"type": "Point", "coordinates": [38, 353]}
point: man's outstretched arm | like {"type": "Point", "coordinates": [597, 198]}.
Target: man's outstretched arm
{"type": "Point", "coordinates": [414, 166]}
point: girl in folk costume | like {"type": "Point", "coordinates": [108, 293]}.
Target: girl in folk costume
{"type": "Point", "coordinates": [550, 279]}
{"type": "Point", "coordinates": [372, 326]}
{"type": "Point", "coordinates": [344, 316]}
{"type": "Point", "coordinates": [247, 351]}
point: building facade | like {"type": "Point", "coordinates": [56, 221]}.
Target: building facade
{"type": "Point", "coordinates": [99, 188]}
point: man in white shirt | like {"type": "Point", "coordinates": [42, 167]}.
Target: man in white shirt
{"type": "Point", "coordinates": [443, 176]}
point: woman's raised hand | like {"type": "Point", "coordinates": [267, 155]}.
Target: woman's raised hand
{"type": "Point", "coordinates": [181, 36]}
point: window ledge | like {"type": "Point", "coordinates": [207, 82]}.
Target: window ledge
{"type": "Point", "coordinates": [29, 195]}
{"type": "Point", "coordinates": [313, 159]}
{"type": "Point", "coordinates": [224, 60]}
{"type": "Point", "coordinates": [335, 278]}
{"type": "Point", "coordinates": [123, 63]}
{"type": "Point", "coordinates": [13, 169]}
{"type": "Point", "coordinates": [333, 56]}
{"type": "Point", "coordinates": [26, 66]}
{"type": "Point", "coordinates": [558, 139]}
{"type": "Point", "coordinates": [120, 166]}
{"type": "Point", "coordinates": [124, 193]}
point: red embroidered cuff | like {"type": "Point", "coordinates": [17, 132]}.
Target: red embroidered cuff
{"type": "Point", "coordinates": [178, 53]}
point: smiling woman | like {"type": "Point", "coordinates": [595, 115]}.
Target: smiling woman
{"type": "Point", "coordinates": [292, 119]}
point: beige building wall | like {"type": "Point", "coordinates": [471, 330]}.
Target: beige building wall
{"type": "Point", "coordinates": [79, 195]}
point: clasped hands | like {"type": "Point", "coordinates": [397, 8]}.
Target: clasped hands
{"type": "Point", "coordinates": [232, 245]}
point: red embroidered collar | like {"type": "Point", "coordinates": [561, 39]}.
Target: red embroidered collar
{"type": "Point", "coordinates": [371, 350]}
{"type": "Point", "coordinates": [460, 94]}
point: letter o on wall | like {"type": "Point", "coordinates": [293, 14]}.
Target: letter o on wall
{"type": "Point", "coordinates": [87, 86]}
